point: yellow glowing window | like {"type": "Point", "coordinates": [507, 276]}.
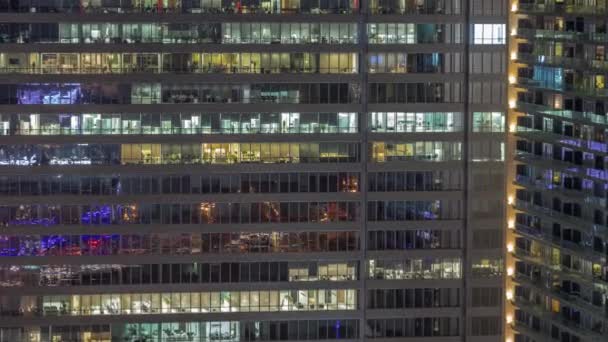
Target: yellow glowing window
{"type": "Point", "coordinates": [600, 82]}
{"type": "Point", "coordinates": [557, 176]}
{"type": "Point", "coordinates": [559, 49]}
{"type": "Point", "coordinates": [555, 256]}
{"type": "Point", "coordinates": [597, 270]}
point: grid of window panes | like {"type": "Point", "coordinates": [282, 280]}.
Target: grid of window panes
{"type": "Point", "coordinates": [238, 170]}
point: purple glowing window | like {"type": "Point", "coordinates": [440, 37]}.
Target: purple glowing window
{"type": "Point", "coordinates": [49, 93]}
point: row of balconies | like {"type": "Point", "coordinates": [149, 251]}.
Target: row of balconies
{"type": "Point", "coordinates": [582, 135]}
{"type": "Point", "coordinates": [584, 64]}
{"type": "Point", "coordinates": [584, 221]}
{"type": "Point", "coordinates": [538, 264]}
{"type": "Point", "coordinates": [544, 237]}
{"type": "Point", "coordinates": [587, 301]}
{"type": "Point", "coordinates": [573, 320]}
{"type": "Point", "coordinates": [563, 157]}
{"type": "Point", "coordinates": [563, 266]}
{"type": "Point", "coordinates": [542, 34]}
{"type": "Point", "coordinates": [584, 196]}
{"type": "Point", "coordinates": [552, 7]}
{"type": "Point", "coordinates": [586, 117]}
{"type": "Point", "coordinates": [587, 245]}
{"type": "Point", "coordinates": [562, 139]}
{"type": "Point", "coordinates": [565, 205]}
{"type": "Point", "coordinates": [577, 88]}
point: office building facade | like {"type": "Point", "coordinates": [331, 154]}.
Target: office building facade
{"type": "Point", "coordinates": [254, 170]}
{"type": "Point", "coordinates": [557, 284]}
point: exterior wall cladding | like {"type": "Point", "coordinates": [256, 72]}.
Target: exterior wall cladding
{"type": "Point", "coordinates": [557, 283]}
{"type": "Point", "coordinates": [265, 170]}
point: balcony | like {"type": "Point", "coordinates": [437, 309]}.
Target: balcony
{"type": "Point", "coordinates": [569, 166]}
{"type": "Point", "coordinates": [584, 117]}
{"type": "Point", "coordinates": [590, 146]}
{"type": "Point", "coordinates": [591, 334]}
{"type": "Point", "coordinates": [557, 269]}
{"type": "Point", "coordinates": [544, 237]}
{"type": "Point", "coordinates": [540, 34]}
{"type": "Point", "coordinates": [550, 34]}
{"type": "Point", "coordinates": [566, 62]}
{"type": "Point", "coordinates": [584, 198]}
{"type": "Point", "coordinates": [578, 88]}
{"type": "Point", "coordinates": [540, 284]}
{"type": "Point", "coordinates": [552, 8]}
{"type": "Point", "coordinates": [582, 222]}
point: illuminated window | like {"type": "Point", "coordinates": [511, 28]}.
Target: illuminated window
{"type": "Point", "coordinates": [488, 122]}
{"type": "Point", "coordinates": [489, 34]}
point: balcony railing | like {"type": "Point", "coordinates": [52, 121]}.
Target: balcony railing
{"type": "Point", "coordinates": [575, 63]}
{"type": "Point", "coordinates": [533, 33]}
{"type": "Point", "coordinates": [549, 34]}
{"type": "Point", "coordinates": [584, 196]}
{"type": "Point", "coordinates": [578, 63]}
{"type": "Point", "coordinates": [578, 88]}
{"type": "Point", "coordinates": [550, 8]}
{"type": "Point", "coordinates": [562, 113]}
